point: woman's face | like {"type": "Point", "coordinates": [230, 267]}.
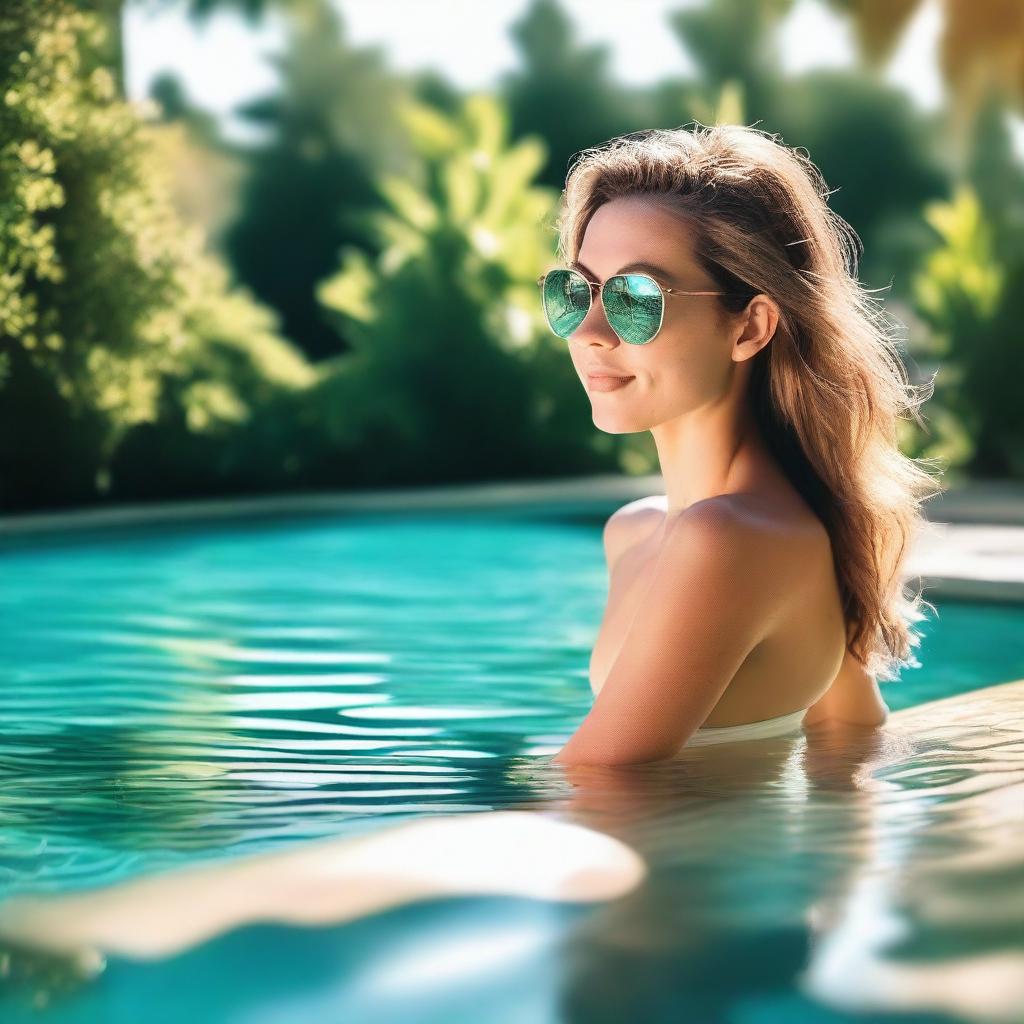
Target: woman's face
{"type": "Point", "coordinates": [689, 361]}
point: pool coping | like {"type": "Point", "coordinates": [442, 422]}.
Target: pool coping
{"type": "Point", "coordinates": [974, 548]}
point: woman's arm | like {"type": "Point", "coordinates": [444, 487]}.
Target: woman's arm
{"type": "Point", "coordinates": [853, 698]}
{"type": "Point", "coordinates": [711, 599]}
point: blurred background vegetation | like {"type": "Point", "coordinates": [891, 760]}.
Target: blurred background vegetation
{"type": "Point", "coordinates": [351, 302]}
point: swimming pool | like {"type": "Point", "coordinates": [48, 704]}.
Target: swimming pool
{"type": "Point", "coordinates": [175, 695]}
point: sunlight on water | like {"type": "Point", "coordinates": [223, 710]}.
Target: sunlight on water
{"type": "Point", "coordinates": [189, 696]}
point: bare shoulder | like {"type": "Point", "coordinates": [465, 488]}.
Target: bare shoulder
{"type": "Point", "coordinates": [735, 519]}
{"type": "Point", "coordinates": [762, 548]}
{"type": "Point", "coordinates": [768, 534]}
{"type": "Point", "coordinates": [719, 569]}
{"type": "Point", "coordinates": [716, 533]}
{"type": "Point", "coordinates": [626, 525]}
{"type": "Point", "coordinates": [779, 532]}
{"type": "Point", "coordinates": [723, 530]}
{"type": "Point", "coordinates": [657, 503]}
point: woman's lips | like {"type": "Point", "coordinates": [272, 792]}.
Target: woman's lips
{"type": "Point", "coordinates": [605, 383]}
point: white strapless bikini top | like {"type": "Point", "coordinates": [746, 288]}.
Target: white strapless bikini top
{"type": "Point", "coordinates": [782, 725]}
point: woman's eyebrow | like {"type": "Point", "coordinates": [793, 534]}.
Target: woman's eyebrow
{"type": "Point", "coordinates": [649, 268]}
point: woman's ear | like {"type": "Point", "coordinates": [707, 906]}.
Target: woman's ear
{"type": "Point", "coordinates": [758, 323]}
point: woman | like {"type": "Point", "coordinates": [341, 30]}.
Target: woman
{"type": "Point", "coordinates": [766, 581]}
{"type": "Point", "coordinates": [709, 295]}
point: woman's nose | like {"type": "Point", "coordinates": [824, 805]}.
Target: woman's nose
{"type": "Point", "coordinates": [595, 327]}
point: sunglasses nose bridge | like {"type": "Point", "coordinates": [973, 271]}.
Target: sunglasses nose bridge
{"type": "Point", "coordinates": [602, 327]}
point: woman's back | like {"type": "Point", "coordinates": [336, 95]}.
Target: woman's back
{"type": "Point", "coordinates": [801, 654]}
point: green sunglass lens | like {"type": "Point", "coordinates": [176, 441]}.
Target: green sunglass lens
{"type": "Point", "coordinates": [566, 297]}
{"type": "Point", "coordinates": [633, 304]}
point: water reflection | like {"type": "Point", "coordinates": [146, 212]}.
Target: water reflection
{"type": "Point", "coordinates": [178, 700]}
{"type": "Point", "coordinates": [867, 871]}
{"type": "Point", "coordinates": [855, 870]}
{"type": "Point", "coordinates": [740, 839]}
{"type": "Point", "coordinates": [501, 853]}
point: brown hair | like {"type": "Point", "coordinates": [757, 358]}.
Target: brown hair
{"type": "Point", "coordinates": [830, 387]}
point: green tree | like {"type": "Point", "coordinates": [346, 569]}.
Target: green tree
{"type": "Point", "coordinates": [735, 45]}
{"type": "Point", "coordinates": [964, 291]}
{"type": "Point", "coordinates": [859, 131]}
{"type": "Point", "coordinates": [562, 92]}
{"type": "Point", "coordinates": [332, 133]}
{"type": "Point", "coordinates": [205, 169]}
{"type": "Point", "coordinates": [453, 374]}
{"type": "Point", "coordinates": [973, 260]}
{"type": "Point", "coordinates": [106, 296]}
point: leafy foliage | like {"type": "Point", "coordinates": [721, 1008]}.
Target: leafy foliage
{"type": "Point", "coordinates": [330, 134]}
{"type": "Point", "coordinates": [453, 371]}
{"type": "Point", "coordinates": [108, 302]}
{"type": "Point", "coordinates": [965, 293]}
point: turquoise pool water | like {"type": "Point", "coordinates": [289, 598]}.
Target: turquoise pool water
{"type": "Point", "coordinates": [177, 695]}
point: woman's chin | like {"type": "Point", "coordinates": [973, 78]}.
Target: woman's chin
{"type": "Point", "coordinates": [615, 424]}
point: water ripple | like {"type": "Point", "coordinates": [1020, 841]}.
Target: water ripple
{"type": "Point", "coordinates": [170, 700]}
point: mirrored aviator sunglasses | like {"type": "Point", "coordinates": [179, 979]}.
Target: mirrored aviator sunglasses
{"type": "Point", "coordinates": [634, 304]}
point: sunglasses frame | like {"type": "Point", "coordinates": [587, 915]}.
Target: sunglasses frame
{"type": "Point", "coordinates": [600, 285]}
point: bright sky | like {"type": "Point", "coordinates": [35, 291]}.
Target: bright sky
{"type": "Point", "coordinates": [222, 62]}
{"type": "Point", "coordinates": [164, 38]}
